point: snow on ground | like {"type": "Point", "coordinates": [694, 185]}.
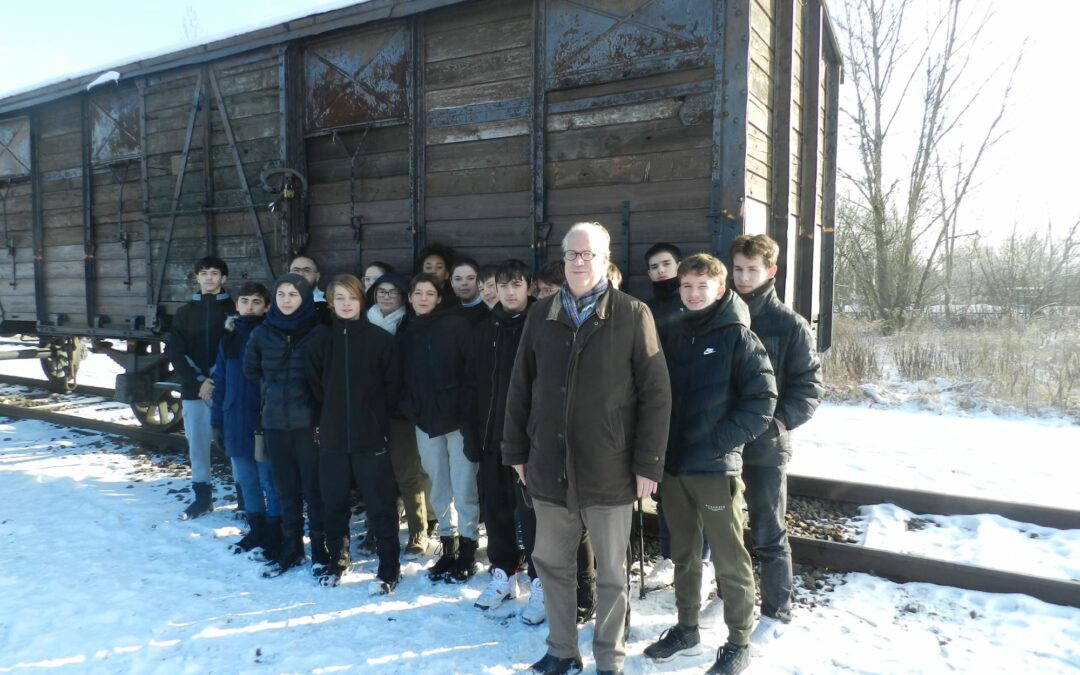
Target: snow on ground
{"type": "Point", "coordinates": [97, 574]}
{"type": "Point", "coordinates": [984, 540]}
{"type": "Point", "coordinates": [1008, 458]}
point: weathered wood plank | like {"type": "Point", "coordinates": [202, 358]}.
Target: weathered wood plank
{"type": "Point", "coordinates": [626, 139]}
{"type": "Point", "coordinates": [469, 40]}
{"type": "Point", "coordinates": [626, 114]}
{"type": "Point", "coordinates": [479, 181]}
{"type": "Point", "coordinates": [659, 167]}
{"type": "Point", "coordinates": [478, 93]}
{"type": "Point", "coordinates": [478, 154]}
{"type": "Point", "coordinates": [475, 14]}
{"type": "Point", "coordinates": [478, 132]}
{"type": "Point", "coordinates": [498, 205]}
{"type": "Point", "coordinates": [478, 68]}
{"type": "Point", "coordinates": [366, 190]}
{"type": "Point", "coordinates": [670, 195]}
{"type": "Point", "coordinates": [388, 211]}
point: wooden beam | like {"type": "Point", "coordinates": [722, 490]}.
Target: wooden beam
{"type": "Point", "coordinates": [828, 219]}
{"type": "Point", "coordinates": [37, 216]}
{"type": "Point", "coordinates": [731, 59]}
{"type": "Point", "coordinates": [417, 138]}
{"type": "Point", "coordinates": [538, 145]}
{"type": "Point", "coordinates": [808, 182]}
{"type": "Point", "coordinates": [783, 82]}
{"type": "Point", "coordinates": [89, 262]}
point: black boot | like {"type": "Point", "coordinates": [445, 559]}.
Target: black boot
{"type": "Point", "coordinates": [339, 561]}
{"type": "Point", "coordinates": [586, 598]}
{"type": "Point", "coordinates": [464, 566]}
{"type": "Point", "coordinates": [320, 555]}
{"type": "Point", "coordinates": [443, 564]}
{"type": "Point", "coordinates": [289, 555]}
{"type": "Point", "coordinates": [203, 504]}
{"type": "Point", "coordinates": [270, 544]}
{"type": "Point", "coordinates": [255, 534]}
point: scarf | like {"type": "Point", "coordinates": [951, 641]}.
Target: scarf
{"type": "Point", "coordinates": [580, 309]}
{"type": "Point", "coordinates": [304, 318]}
{"type": "Point", "coordinates": [388, 323]}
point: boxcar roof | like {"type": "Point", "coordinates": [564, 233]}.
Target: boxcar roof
{"type": "Point", "coordinates": [314, 24]}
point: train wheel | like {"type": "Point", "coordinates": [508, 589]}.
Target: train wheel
{"type": "Point", "coordinates": [62, 364]}
{"type": "Point", "coordinates": [162, 414]}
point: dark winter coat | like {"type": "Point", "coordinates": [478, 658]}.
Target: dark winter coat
{"type": "Point", "coordinates": [475, 313]}
{"type": "Point", "coordinates": [192, 341]}
{"type": "Point", "coordinates": [665, 304]}
{"type": "Point", "coordinates": [276, 357]}
{"type": "Point", "coordinates": [588, 408]}
{"type": "Point", "coordinates": [722, 388]}
{"type": "Point", "coordinates": [434, 348]}
{"type": "Point", "coordinates": [236, 399]}
{"type": "Point", "coordinates": [487, 379]}
{"type": "Point", "coordinates": [354, 372]}
{"type": "Point", "coordinates": [790, 345]}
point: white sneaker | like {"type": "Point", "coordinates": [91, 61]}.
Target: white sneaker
{"type": "Point", "coordinates": [498, 590]}
{"type": "Point", "coordinates": [534, 613]}
{"type": "Point", "coordinates": [765, 634]}
{"type": "Point", "coordinates": [662, 575]}
{"type": "Point", "coordinates": [712, 613]}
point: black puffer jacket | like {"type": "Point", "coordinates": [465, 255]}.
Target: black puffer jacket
{"type": "Point", "coordinates": [276, 357]}
{"type": "Point", "coordinates": [665, 304]}
{"type": "Point", "coordinates": [192, 342]}
{"type": "Point", "coordinates": [354, 372]}
{"type": "Point", "coordinates": [790, 345]}
{"type": "Point", "coordinates": [722, 389]}
{"type": "Point", "coordinates": [434, 348]}
{"type": "Point", "coordinates": [487, 380]}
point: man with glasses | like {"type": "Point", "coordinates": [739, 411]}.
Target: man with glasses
{"type": "Point", "coordinates": [586, 430]}
{"type": "Point", "coordinates": [307, 268]}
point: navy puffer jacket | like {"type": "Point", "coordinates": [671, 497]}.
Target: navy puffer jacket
{"type": "Point", "coordinates": [237, 402]}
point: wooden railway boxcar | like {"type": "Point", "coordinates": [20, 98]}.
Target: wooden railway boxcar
{"type": "Point", "coordinates": [367, 132]}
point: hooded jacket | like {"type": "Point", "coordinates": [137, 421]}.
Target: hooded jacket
{"type": "Point", "coordinates": [793, 354]}
{"type": "Point", "coordinates": [354, 372]}
{"type": "Point", "coordinates": [588, 408]}
{"type": "Point", "coordinates": [487, 380]}
{"type": "Point", "coordinates": [192, 342]}
{"type": "Point", "coordinates": [434, 348]}
{"type": "Point", "coordinates": [276, 359]}
{"type": "Point", "coordinates": [722, 389]}
{"type": "Point", "coordinates": [237, 401]}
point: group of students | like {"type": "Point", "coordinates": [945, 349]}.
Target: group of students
{"type": "Point", "coordinates": [397, 388]}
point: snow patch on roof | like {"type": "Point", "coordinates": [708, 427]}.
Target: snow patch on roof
{"type": "Point", "coordinates": [106, 77]}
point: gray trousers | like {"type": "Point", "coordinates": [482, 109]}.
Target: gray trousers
{"type": "Point", "coordinates": [766, 501]}
{"type": "Point", "coordinates": [198, 433]}
{"type": "Point", "coordinates": [558, 533]}
{"type": "Point", "coordinates": [714, 503]}
{"type": "Point", "coordinates": [454, 497]}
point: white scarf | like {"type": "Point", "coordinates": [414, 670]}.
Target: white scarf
{"type": "Point", "coordinates": [388, 323]}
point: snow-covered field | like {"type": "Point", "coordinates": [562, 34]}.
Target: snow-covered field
{"type": "Point", "coordinates": [98, 575]}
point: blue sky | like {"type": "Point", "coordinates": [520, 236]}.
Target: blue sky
{"type": "Point", "coordinates": [1031, 177]}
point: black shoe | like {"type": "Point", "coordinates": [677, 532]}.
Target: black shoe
{"type": "Point", "coordinates": [553, 665]}
{"type": "Point", "coordinates": [203, 504]}
{"type": "Point", "coordinates": [320, 555]}
{"type": "Point", "coordinates": [730, 660]}
{"type": "Point", "coordinates": [464, 566]}
{"type": "Point", "coordinates": [368, 545]}
{"type": "Point", "coordinates": [586, 599]}
{"type": "Point", "coordinates": [289, 556]}
{"type": "Point", "coordinates": [271, 541]}
{"type": "Point", "coordinates": [339, 562]}
{"type": "Point", "coordinates": [678, 640]}
{"type": "Point", "coordinates": [255, 534]}
{"type": "Point", "coordinates": [443, 565]}
{"type": "Point", "coordinates": [432, 529]}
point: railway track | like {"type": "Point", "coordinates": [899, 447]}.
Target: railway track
{"type": "Point", "coordinates": [829, 555]}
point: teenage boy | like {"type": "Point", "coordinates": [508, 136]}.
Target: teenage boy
{"type": "Point", "coordinates": [791, 349]}
{"type": "Point", "coordinates": [549, 279]}
{"type": "Point", "coordinates": [464, 276]}
{"type": "Point", "coordinates": [662, 261]}
{"type": "Point", "coordinates": [489, 291]}
{"type": "Point", "coordinates": [487, 379]}
{"type": "Point", "coordinates": [722, 396]}
{"type": "Point", "coordinates": [237, 427]}
{"type": "Point", "coordinates": [192, 345]}
{"type": "Point", "coordinates": [307, 267]}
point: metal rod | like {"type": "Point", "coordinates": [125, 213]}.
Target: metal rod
{"type": "Point", "coordinates": [200, 211]}
{"type": "Point", "coordinates": [38, 216]}
{"type": "Point", "coordinates": [178, 188]}
{"type": "Point", "coordinates": [89, 264]}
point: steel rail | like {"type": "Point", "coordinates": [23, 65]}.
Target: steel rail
{"type": "Point", "coordinates": [47, 386]}
{"type": "Point", "coordinates": [136, 433]}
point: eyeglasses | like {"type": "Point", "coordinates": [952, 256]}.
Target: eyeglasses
{"type": "Point", "coordinates": [387, 293]}
{"type": "Point", "coordinates": [571, 256]}
{"type": "Point", "coordinates": [303, 270]}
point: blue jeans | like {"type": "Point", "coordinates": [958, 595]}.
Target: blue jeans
{"type": "Point", "coordinates": [256, 480]}
{"type": "Point", "coordinates": [197, 431]}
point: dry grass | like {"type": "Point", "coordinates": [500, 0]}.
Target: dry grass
{"type": "Point", "coordinates": [1031, 364]}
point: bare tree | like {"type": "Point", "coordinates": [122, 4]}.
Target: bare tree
{"type": "Point", "coordinates": [1030, 272]}
{"type": "Point", "coordinates": [904, 224]}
